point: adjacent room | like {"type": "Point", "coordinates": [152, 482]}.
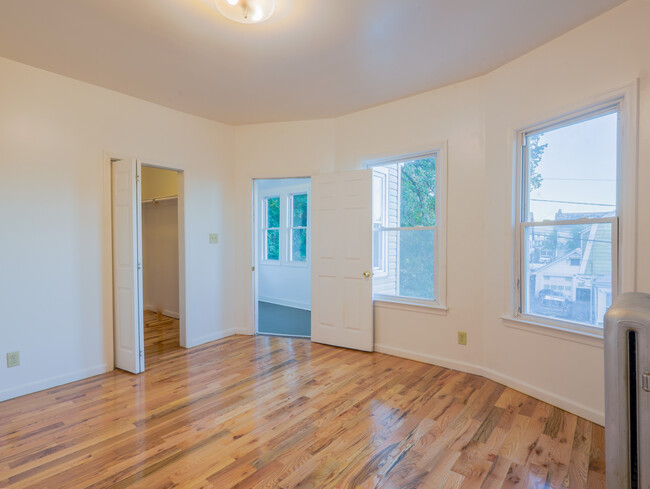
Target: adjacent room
{"type": "Point", "coordinates": [282, 230]}
{"type": "Point", "coordinates": [160, 278]}
{"type": "Point", "coordinates": [290, 244]}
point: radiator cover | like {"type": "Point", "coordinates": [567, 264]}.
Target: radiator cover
{"type": "Point", "coordinates": [627, 392]}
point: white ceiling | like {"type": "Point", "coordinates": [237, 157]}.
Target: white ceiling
{"type": "Point", "coordinates": [312, 59]}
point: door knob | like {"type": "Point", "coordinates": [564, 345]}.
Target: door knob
{"type": "Point", "coordinates": [367, 274]}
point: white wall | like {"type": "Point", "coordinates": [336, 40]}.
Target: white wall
{"type": "Point", "coordinates": [160, 257]}
{"type": "Point", "coordinates": [478, 119]}
{"type": "Point", "coordinates": [284, 283]}
{"type": "Point", "coordinates": [55, 284]}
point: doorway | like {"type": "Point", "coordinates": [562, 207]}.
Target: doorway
{"type": "Point", "coordinates": [148, 261]}
{"type": "Point", "coordinates": [160, 277]}
{"type": "Point", "coordinates": [282, 236]}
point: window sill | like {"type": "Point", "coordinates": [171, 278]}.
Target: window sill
{"type": "Point", "coordinates": [436, 309]}
{"type": "Point", "coordinates": [555, 331]}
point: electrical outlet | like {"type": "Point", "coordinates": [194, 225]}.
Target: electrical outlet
{"type": "Point", "coordinates": [214, 238]}
{"type": "Point", "coordinates": [13, 359]}
{"type": "Point", "coordinates": [462, 338]}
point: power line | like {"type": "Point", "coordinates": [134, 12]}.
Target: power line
{"type": "Point", "coordinates": [570, 202]}
{"type": "Point", "coordinates": [581, 179]}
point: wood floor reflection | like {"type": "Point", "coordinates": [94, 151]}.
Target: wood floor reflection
{"type": "Point", "coordinates": [265, 412]}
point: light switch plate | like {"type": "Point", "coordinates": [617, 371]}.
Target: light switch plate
{"type": "Point", "coordinates": [214, 238]}
{"type": "Point", "coordinates": [13, 359]}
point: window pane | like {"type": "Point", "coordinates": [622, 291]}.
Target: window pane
{"type": "Point", "coordinates": [273, 212]}
{"type": "Point", "coordinates": [568, 272]}
{"type": "Point", "coordinates": [417, 193]}
{"type": "Point", "coordinates": [572, 170]}
{"type": "Point", "coordinates": [300, 210]}
{"type": "Point", "coordinates": [410, 264]}
{"type": "Point", "coordinates": [273, 244]}
{"type": "Point", "coordinates": [299, 244]}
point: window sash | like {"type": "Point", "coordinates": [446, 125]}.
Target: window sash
{"type": "Point", "coordinates": [524, 168]}
{"type": "Point", "coordinates": [293, 227]}
{"type": "Point", "coordinates": [522, 282]}
{"type": "Point", "coordinates": [266, 228]}
{"type": "Point", "coordinates": [436, 275]}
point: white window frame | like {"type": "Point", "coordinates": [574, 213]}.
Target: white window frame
{"type": "Point", "coordinates": [440, 235]}
{"type": "Point", "coordinates": [291, 227]}
{"type": "Point", "coordinates": [625, 101]}
{"type": "Point", "coordinates": [266, 228]}
{"type": "Point", "coordinates": [382, 269]}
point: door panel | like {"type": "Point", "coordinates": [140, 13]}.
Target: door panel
{"type": "Point", "coordinates": [127, 274]}
{"type": "Point", "coordinates": [341, 253]}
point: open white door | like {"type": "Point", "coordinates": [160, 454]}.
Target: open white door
{"type": "Point", "coordinates": [127, 268]}
{"type": "Point", "coordinates": [342, 260]}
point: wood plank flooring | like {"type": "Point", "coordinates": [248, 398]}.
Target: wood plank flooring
{"type": "Point", "coordinates": [161, 335]}
{"type": "Point", "coordinates": [259, 412]}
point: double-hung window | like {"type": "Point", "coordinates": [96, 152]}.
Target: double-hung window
{"type": "Point", "coordinates": [567, 271]}
{"type": "Point", "coordinates": [298, 204]}
{"type": "Point", "coordinates": [271, 231]}
{"type": "Point", "coordinates": [406, 216]}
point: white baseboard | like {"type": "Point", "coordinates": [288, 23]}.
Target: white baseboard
{"type": "Point", "coordinates": [507, 380]}
{"type": "Point", "coordinates": [216, 336]}
{"type": "Point", "coordinates": [432, 359]}
{"type": "Point", "coordinates": [171, 314]}
{"type": "Point", "coordinates": [165, 312]}
{"type": "Point", "coordinates": [52, 382]}
{"type": "Point", "coordinates": [284, 302]}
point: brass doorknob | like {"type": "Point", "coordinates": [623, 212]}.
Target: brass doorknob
{"type": "Point", "coordinates": [367, 274]}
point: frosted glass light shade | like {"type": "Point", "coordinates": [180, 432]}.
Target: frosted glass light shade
{"type": "Point", "coordinates": [246, 11]}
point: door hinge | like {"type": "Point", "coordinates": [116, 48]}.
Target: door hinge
{"type": "Point", "coordinates": [252, 268]}
{"type": "Point", "coordinates": [139, 266]}
{"type": "Point", "coordinates": [141, 353]}
{"type": "Point", "coordinates": [645, 381]}
{"type": "Point", "coordinates": [137, 177]}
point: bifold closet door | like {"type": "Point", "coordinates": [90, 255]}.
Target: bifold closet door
{"type": "Point", "coordinates": [127, 266]}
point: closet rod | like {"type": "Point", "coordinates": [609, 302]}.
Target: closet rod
{"type": "Point", "coordinates": [160, 199]}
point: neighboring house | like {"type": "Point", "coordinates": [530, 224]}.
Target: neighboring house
{"type": "Point", "coordinates": [577, 283]}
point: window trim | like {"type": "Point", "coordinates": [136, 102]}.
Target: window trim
{"type": "Point", "coordinates": [625, 100]}
{"type": "Point", "coordinates": [439, 151]}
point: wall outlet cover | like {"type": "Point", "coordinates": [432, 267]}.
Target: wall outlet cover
{"type": "Point", "coordinates": [13, 359]}
{"type": "Point", "coordinates": [462, 338]}
{"type": "Point", "coordinates": [214, 238]}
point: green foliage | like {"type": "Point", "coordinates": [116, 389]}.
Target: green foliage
{"type": "Point", "coordinates": [273, 212]}
{"type": "Point", "coordinates": [536, 151]}
{"type": "Point", "coordinates": [300, 210]}
{"type": "Point", "coordinates": [418, 193]}
{"type": "Point", "coordinates": [417, 208]}
{"type": "Point", "coordinates": [273, 235]}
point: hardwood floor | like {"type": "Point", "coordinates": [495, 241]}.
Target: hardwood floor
{"type": "Point", "coordinates": [265, 412]}
{"type": "Point", "coordinates": [161, 335]}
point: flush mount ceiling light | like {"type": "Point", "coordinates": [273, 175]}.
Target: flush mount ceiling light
{"type": "Point", "coordinates": [246, 11]}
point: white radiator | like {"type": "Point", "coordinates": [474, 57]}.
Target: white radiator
{"type": "Point", "coordinates": [627, 392]}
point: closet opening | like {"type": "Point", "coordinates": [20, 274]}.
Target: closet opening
{"type": "Point", "coordinates": [282, 257]}
{"type": "Point", "coordinates": [160, 261]}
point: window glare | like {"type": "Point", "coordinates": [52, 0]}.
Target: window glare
{"type": "Point", "coordinates": [572, 170]}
